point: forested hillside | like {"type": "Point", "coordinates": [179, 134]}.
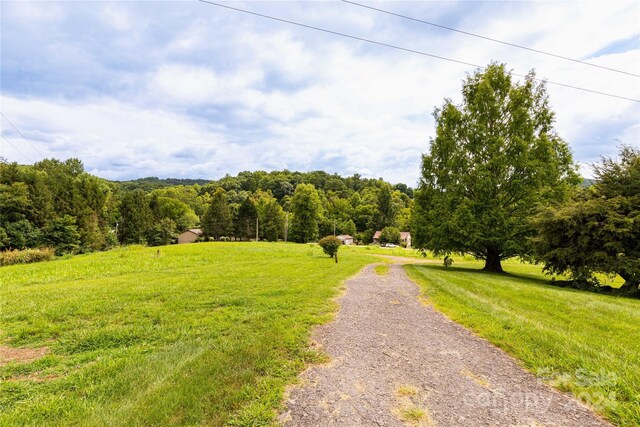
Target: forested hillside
{"type": "Point", "coordinates": [58, 204]}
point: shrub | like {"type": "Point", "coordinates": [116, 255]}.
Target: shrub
{"type": "Point", "coordinates": [330, 246]}
{"type": "Point", "coordinates": [162, 233]}
{"type": "Point", "coordinates": [390, 235]}
{"type": "Point", "coordinates": [62, 234]}
{"type": "Point", "coordinates": [26, 256]}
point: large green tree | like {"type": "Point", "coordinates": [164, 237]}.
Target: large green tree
{"type": "Point", "coordinates": [495, 158]}
{"type": "Point", "coordinates": [245, 221]}
{"type": "Point", "coordinates": [306, 208]}
{"type": "Point", "coordinates": [598, 231]}
{"type": "Point", "coordinates": [217, 221]}
{"type": "Point", "coordinates": [272, 221]}
{"type": "Point", "coordinates": [136, 217]}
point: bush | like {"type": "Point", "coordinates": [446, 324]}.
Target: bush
{"type": "Point", "coordinates": [390, 235]}
{"type": "Point", "coordinates": [162, 233]}
{"type": "Point", "coordinates": [26, 256]}
{"type": "Point", "coordinates": [62, 234]}
{"type": "Point", "coordinates": [330, 246]}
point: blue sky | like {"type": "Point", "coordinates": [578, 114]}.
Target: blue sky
{"type": "Point", "coordinates": [186, 89]}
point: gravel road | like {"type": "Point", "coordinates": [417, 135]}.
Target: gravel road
{"type": "Point", "coordinates": [395, 361]}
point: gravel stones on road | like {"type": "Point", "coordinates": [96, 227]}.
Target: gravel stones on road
{"type": "Point", "coordinates": [396, 361]}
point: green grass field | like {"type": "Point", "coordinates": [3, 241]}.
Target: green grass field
{"type": "Point", "coordinates": [585, 343]}
{"type": "Point", "coordinates": [204, 334]}
{"type": "Point", "coordinates": [378, 250]}
{"type": "Point", "coordinates": [212, 333]}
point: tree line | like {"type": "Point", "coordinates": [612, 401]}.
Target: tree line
{"type": "Point", "coordinates": [57, 204]}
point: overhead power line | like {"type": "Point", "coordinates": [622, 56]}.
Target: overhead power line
{"type": "Point", "coordinates": [491, 39]}
{"type": "Point", "coordinates": [16, 148]}
{"type": "Point", "coordinates": [418, 52]}
{"type": "Point", "coordinates": [22, 135]}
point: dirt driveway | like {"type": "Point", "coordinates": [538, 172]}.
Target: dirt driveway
{"type": "Point", "coordinates": [396, 361]}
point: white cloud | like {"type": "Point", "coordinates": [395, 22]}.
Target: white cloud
{"type": "Point", "coordinates": [270, 96]}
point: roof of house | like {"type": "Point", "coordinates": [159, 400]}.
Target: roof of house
{"type": "Point", "coordinates": [195, 231]}
{"type": "Point", "coordinates": [403, 234]}
{"type": "Point", "coordinates": [344, 237]}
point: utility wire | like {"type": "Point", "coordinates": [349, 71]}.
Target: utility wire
{"type": "Point", "coordinates": [21, 134]}
{"type": "Point", "coordinates": [418, 52]}
{"type": "Point", "coordinates": [490, 38]}
{"type": "Point", "coordinates": [16, 148]}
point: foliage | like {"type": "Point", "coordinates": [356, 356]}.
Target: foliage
{"type": "Point", "coordinates": [386, 208]}
{"type": "Point", "coordinates": [162, 233]}
{"type": "Point", "coordinates": [366, 237]}
{"type": "Point", "coordinates": [4, 238]}
{"type": "Point", "coordinates": [348, 228]}
{"type": "Point", "coordinates": [330, 246]}
{"type": "Point", "coordinates": [245, 222]}
{"type": "Point", "coordinates": [586, 341]}
{"type": "Point", "coordinates": [62, 234]}
{"type": "Point", "coordinates": [306, 209]}
{"type": "Point", "coordinates": [107, 213]}
{"type": "Point", "coordinates": [153, 183]}
{"type": "Point", "coordinates": [390, 235]}
{"type": "Point", "coordinates": [272, 221]}
{"type": "Point", "coordinates": [26, 256]}
{"type": "Point", "coordinates": [135, 217]}
{"type": "Point", "coordinates": [495, 158]}
{"type": "Point", "coordinates": [217, 220]}
{"type": "Point", "coordinates": [598, 231]}
{"type": "Point", "coordinates": [180, 213]}
{"type": "Point", "coordinates": [22, 234]}
{"type": "Point", "coordinates": [137, 339]}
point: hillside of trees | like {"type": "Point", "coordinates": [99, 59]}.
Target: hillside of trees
{"type": "Point", "coordinates": [57, 204]}
{"type": "Point", "coordinates": [153, 183]}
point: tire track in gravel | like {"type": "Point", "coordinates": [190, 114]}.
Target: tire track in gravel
{"type": "Point", "coordinates": [397, 362]}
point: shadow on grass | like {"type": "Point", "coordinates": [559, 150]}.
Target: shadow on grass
{"type": "Point", "coordinates": [521, 278]}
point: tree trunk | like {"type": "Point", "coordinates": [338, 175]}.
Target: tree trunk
{"type": "Point", "coordinates": [492, 262]}
{"type": "Point", "coordinates": [336, 255]}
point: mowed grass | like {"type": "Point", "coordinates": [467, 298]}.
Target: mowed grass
{"type": "Point", "coordinates": [581, 342]}
{"type": "Point", "coordinates": [207, 333]}
{"type": "Point", "coordinates": [381, 250]}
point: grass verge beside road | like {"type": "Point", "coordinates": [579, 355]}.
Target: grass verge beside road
{"type": "Point", "coordinates": [582, 342]}
{"type": "Point", "coordinates": [206, 333]}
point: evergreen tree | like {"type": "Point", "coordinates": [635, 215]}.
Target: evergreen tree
{"type": "Point", "coordinates": [136, 217]}
{"type": "Point", "coordinates": [245, 223]}
{"type": "Point", "coordinates": [217, 221]}
{"type": "Point", "coordinates": [599, 231]}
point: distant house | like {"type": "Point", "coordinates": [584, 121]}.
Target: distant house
{"type": "Point", "coordinates": [405, 238]}
{"type": "Point", "coordinates": [189, 236]}
{"type": "Point", "coordinates": [346, 239]}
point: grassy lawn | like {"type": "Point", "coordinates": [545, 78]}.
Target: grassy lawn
{"type": "Point", "coordinates": [378, 250]}
{"type": "Point", "coordinates": [585, 343]}
{"type": "Point", "coordinates": [206, 333]}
